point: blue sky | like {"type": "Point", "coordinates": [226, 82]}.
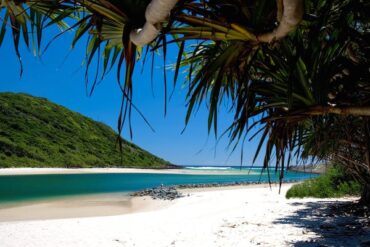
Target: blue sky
{"type": "Point", "coordinates": [59, 76]}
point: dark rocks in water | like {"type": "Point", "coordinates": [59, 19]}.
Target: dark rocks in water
{"type": "Point", "coordinates": [190, 186]}
{"type": "Point", "coordinates": [161, 193]}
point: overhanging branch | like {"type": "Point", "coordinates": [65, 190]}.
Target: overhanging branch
{"type": "Point", "coordinates": [291, 16]}
{"type": "Point", "coordinates": [350, 110]}
{"type": "Point", "coordinates": [156, 12]}
{"type": "Point", "coordinates": [297, 116]}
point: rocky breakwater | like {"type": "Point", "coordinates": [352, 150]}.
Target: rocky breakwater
{"type": "Point", "coordinates": [161, 193]}
{"type": "Point", "coordinates": [209, 185]}
{"type": "Point", "coordinates": [170, 192]}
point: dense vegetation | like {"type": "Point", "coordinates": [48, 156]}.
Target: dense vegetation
{"type": "Point", "coordinates": [334, 183]}
{"type": "Point", "coordinates": [37, 133]}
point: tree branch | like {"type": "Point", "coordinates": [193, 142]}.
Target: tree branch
{"type": "Point", "coordinates": [291, 17]}
{"type": "Point", "coordinates": [156, 12]}
{"type": "Point", "coordinates": [350, 110]}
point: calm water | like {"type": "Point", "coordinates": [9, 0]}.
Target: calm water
{"type": "Point", "coordinates": [27, 187]}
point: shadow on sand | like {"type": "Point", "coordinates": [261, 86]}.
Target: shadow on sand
{"type": "Point", "coordinates": [328, 224]}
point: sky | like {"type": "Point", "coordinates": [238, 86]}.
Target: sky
{"type": "Point", "coordinates": [59, 75]}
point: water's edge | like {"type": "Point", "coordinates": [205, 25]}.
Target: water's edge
{"type": "Point", "coordinates": [15, 188]}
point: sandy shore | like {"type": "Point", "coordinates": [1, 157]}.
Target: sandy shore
{"type": "Point", "coordinates": [30, 171]}
{"type": "Point", "coordinates": [237, 216]}
{"type": "Point", "coordinates": [77, 206]}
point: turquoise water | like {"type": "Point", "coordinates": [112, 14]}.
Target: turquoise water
{"type": "Point", "coordinates": [27, 187]}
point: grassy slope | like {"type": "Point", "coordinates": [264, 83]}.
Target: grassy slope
{"type": "Point", "coordinates": [37, 133]}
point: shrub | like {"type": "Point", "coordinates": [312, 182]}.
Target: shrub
{"type": "Point", "coordinates": [334, 183]}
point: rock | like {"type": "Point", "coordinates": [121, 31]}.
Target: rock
{"type": "Point", "coordinates": [161, 193]}
{"type": "Point", "coordinates": [170, 192]}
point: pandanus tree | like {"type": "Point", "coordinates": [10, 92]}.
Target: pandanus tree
{"type": "Point", "coordinates": [293, 69]}
{"type": "Point", "coordinates": [285, 87]}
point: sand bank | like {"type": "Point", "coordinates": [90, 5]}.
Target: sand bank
{"type": "Point", "coordinates": [30, 171]}
{"type": "Point", "coordinates": [76, 206]}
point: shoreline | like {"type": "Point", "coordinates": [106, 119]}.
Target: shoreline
{"type": "Point", "coordinates": [105, 204]}
{"type": "Point", "coordinates": [40, 171]}
{"type": "Point", "coordinates": [216, 186]}
{"type": "Point", "coordinates": [231, 216]}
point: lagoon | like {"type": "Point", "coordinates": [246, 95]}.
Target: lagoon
{"type": "Point", "coordinates": [16, 188]}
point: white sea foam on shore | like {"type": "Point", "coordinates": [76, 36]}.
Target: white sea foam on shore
{"type": "Point", "coordinates": [208, 168]}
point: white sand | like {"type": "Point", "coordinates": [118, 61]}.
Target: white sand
{"type": "Point", "coordinates": [238, 216]}
{"type": "Point", "coordinates": [76, 206]}
{"type": "Point", "coordinates": [29, 171]}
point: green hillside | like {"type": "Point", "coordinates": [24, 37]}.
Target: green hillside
{"type": "Point", "coordinates": [37, 133]}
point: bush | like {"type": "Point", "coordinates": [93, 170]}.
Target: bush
{"type": "Point", "coordinates": [334, 183]}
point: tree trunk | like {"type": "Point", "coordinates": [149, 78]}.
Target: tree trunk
{"type": "Point", "coordinates": [289, 15]}
{"type": "Point", "coordinates": [156, 12]}
{"type": "Point", "coordinates": [344, 111]}
{"type": "Point", "coordinates": [355, 110]}
{"type": "Point", "coordinates": [365, 196]}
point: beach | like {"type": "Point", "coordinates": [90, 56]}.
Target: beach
{"type": "Point", "coordinates": [253, 215]}
{"type": "Point", "coordinates": [165, 123]}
